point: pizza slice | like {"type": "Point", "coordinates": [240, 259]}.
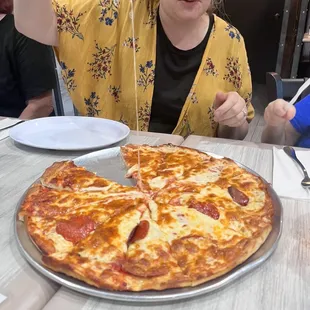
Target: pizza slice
{"type": "Point", "coordinates": [211, 229]}
{"type": "Point", "coordinates": [160, 165]}
{"type": "Point", "coordinates": [57, 220]}
{"type": "Point", "coordinates": [128, 252]}
{"type": "Point", "coordinates": [67, 176]}
{"type": "Point", "coordinates": [46, 202]}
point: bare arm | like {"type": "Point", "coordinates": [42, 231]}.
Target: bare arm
{"type": "Point", "coordinates": [278, 128]}
{"type": "Point", "coordinates": [38, 107]}
{"type": "Point", "coordinates": [37, 20]}
{"type": "Point", "coordinates": [236, 133]}
{"type": "Point", "coordinates": [282, 135]}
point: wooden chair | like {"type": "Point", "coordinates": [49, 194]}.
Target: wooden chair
{"type": "Point", "coordinates": [278, 88]}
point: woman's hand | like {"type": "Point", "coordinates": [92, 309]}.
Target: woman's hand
{"type": "Point", "coordinates": [231, 114]}
{"type": "Point", "coordinates": [230, 109]}
{"type": "Point", "coordinates": [278, 113]}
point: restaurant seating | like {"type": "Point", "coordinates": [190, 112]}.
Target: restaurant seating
{"type": "Point", "coordinates": [57, 99]}
{"type": "Point", "coordinates": [278, 88]}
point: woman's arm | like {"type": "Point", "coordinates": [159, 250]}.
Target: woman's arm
{"type": "Point", "coordinates": [237, 133]}
{"type": "Point", "coordinates": [231, 114]}
{"type": "Point", "coordinates": [238, 104]}
{"type": "Point", "coordinates": [36, 19]}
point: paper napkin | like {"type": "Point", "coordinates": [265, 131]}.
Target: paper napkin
{"type": "Point", "coordinates": [2, 298]}
{"type": "Point", "coordinates": [287, 175]}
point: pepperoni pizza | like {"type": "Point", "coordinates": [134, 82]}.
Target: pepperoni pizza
{"type": "Point", "coordinates": [190, 219]}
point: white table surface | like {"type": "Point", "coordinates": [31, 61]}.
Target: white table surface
{"type": "Point", "coordinates": [283, 282]}
{"type": "Point", "coordinates": [19, 167]}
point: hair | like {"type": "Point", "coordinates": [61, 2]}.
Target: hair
{"type": "Point", "coordinates": [216, 6]}
{"type": "Point", "coordinates": [6, 6]}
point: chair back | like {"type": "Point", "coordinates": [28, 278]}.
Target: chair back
{"type": "Point", "coordinates": [57, 98]}
{"type": "Point", "coordinates": [278, 88]}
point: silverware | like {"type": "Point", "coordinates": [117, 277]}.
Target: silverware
{"type": "Point", "coordinates": [303, 87]}
{"type": "Point", "coordinates": [292, 154]}
{"type": "Point", "coordinates": [13, 125]}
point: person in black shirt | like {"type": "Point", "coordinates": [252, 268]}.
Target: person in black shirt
{"type": "Point", "coordinates": [27, 74]}
{"type": "Point", "coordinates": [178, 69]}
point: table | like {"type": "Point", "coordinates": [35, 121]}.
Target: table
{"type": "Point", "coordinates": [282, 283]}
{"type": "Point", "coordinates": [21, 166]}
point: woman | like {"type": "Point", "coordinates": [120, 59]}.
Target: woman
{"type": "Point", "coordinates": [196, 56]}
{"type": "Point", "coordinates": [287, 124]}
{"type": "Point", "coordinates": [26, 71]}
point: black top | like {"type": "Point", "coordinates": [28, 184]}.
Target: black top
{"type": "Point", "coordinates": [26, 69]}
{"type": "Point", "coordinates": [177, 70]}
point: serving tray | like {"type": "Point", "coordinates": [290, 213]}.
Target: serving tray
{"type": "Point", "coordinates": [109, 164]}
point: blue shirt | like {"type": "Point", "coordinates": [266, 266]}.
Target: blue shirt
{"type": "Point", "coordinates": [301, 122]}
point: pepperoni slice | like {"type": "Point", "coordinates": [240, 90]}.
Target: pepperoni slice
{"type": "Point", "coordinates": [75, 229]}
{"type": "Point", "coordinates": [238, 196]}
{"type": "Point", "coordinates": [207, 208]}
{"type": "Point", "coordinates": [139, 232]}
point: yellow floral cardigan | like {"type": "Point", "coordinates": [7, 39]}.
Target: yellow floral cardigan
{"type": "Point", "coordinates": [96, 56]}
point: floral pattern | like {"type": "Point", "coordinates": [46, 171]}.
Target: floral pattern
{"type": "Point", "coordinates": [97, 85]}
{"type": "Point", "coordinates": [123, 121]}
{"type": "Point", "coordinates": [247, 98]}
{"type": "Point", "coordinates": [193, 95]}
{"type": "Point", "coordinates": [234, 75]}
{"type": "Point", "coordinates": [233, 32]}
{"type": "Point", "coordinates": [68, 76]}
{"type": "Point", "coordinates": [144, 115]}
{"type": "Point", "coordinates": [109, 11]}
{"type": "Point", "coordinates": [147, 75]}
{"type": "Point", "coordinates": [115, 91]}
{"type": "Point", "coordinates": [213, 30]}
{"type": "Point", "coordinates": [68, 22]}
{"type": "Point", "coordinates": [186, 131]}
{"type": "Point", "coordinates": [130, 42]}
{"type": "Point", "coordinates": [194, 98]}
{"type": "Point", "coordinates": [92, 105]}
{"type": "Point", "coordinates": [211, 117]}
{"type": "Point", "coordinates": [101, 66]}
{"type": "Point", "coordinates": [209, 68]}
{"type": "Point", "coordinates": [152, 18]}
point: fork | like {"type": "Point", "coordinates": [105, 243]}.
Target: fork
{"type": "Point", "coordinates": [303, 87]}
{"type": "Point", "coordinates": [292, 154]}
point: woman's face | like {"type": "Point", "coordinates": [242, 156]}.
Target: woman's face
{"type": "Point", "coordinates": [185, 10]}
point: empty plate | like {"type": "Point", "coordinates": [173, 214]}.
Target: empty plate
{"type": "Point", "coordinates": [70, 133]}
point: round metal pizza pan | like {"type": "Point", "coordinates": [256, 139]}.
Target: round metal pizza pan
{"type": "Point", "coordinates": [108, 163]}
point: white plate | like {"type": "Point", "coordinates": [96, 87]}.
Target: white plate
{"type": "Point", "coordinates": [70, 133]}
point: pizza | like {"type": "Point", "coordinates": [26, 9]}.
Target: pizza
{"type": "Point", "coordinates": [189, 219]}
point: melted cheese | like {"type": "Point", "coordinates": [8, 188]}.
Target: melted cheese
{"type": "Point", "coordinates": [158, 182]}
{"type": "Point", "coordinates": [205, 177]}
{"type": "Point", "coordinates": [183, 222]}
